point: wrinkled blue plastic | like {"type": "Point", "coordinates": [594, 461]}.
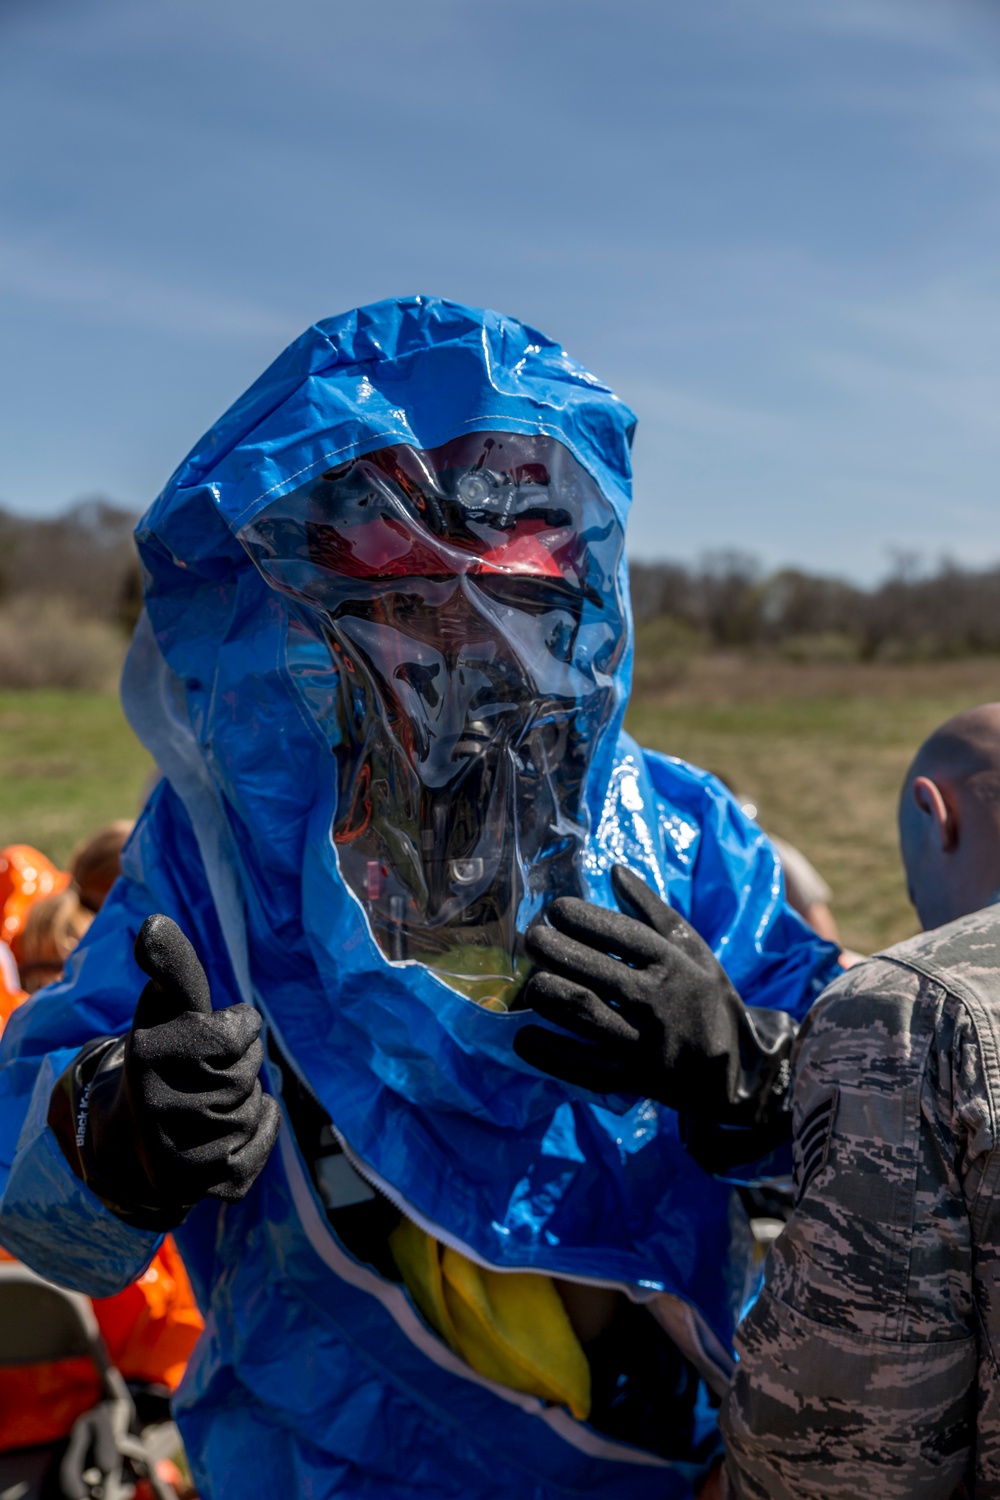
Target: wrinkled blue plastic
{"type": "Point", "coordinates": [301, 1371]}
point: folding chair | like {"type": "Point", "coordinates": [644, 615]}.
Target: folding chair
{"type": "Point", "coordinates": [103, 1458]}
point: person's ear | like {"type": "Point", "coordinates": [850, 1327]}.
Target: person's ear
{"type": "Point", "coordinates": [934, 808]}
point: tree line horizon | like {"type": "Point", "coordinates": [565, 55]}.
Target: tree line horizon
{"type": "Point", "coordinates": [726, 600]}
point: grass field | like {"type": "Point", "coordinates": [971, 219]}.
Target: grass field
{"type": "Point", "coordinates": [68, 763]}
{"type": "Point", "coordinates": [820, 748]}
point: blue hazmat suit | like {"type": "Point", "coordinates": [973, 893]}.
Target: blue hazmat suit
{"type": "Point", "coordinates": [402, 552]}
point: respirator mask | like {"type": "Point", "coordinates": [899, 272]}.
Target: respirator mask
{"type": "Point", "coordinates": [469, 598]}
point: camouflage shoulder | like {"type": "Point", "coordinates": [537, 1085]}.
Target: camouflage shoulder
{"type": "Point", "coordinates": [972, 943]}
{"type": "Point", "coordinates": [870, 996]}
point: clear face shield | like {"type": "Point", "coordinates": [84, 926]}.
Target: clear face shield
{"type": "Point", "coordinates": [468, 595]}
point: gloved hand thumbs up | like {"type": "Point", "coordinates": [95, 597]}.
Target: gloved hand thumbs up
{"type": "Point", "coordinates": [174, 1110]}
{"type": "Point", "coordinates": [177, 979]}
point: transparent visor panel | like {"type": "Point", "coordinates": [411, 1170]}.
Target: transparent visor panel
{"type": "Point", "coordinates": [468, 597]}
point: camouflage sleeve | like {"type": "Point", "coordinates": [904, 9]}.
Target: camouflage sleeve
{"type": "Point", "coordinates": [979, 1167]}
{"type": "Point", "coordinates": [858, 1362]}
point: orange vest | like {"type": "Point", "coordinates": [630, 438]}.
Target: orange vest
{"type": "Point", "coordinates": [150, 1330]}
{"type": "Point", "coordinates": [25, 876]}
{"type": "Point", "coordinates": [152, 1326]}
{"type": "Point", "coordinates": [11, 993]}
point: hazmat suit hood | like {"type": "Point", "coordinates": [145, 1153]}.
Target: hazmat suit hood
{"type": "Point", "coordinates": [383, 667]}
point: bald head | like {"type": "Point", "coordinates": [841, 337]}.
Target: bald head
{"type": "Point", "coordinates": [949, 818]}
{"type": "Point", "coordinates": [965, 749]}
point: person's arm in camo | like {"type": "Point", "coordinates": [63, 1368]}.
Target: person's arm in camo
{"type": "Point", "coordinates": [859, 1361]}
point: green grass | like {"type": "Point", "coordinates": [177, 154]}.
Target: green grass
{"type": "Point", "coordinates": [822, 751]}
{"type": "Point", "coordinates": [68, 763]}
{"type": "Point", "coordinates": [821, 748]}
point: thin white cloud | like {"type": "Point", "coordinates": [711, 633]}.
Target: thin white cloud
{"type": "Point", "coordinates": [124, 295]}
{"type": "Point", "coordinates": [671, 409]}
{"type": "Point", "coordinates": [957, 102]}
{"type": "Point", "coordinates": [927, 24]}
{"type": "Point", "coordinates": [933, 350]}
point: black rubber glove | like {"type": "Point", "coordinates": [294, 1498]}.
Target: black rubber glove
{"type": "Point", "coordinates": [173, 1112]}
{"type": "Point", "coordinates": [654, 1014]}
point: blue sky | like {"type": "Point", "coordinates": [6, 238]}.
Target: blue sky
{"type": "Point", "coordinates": [772, 225]}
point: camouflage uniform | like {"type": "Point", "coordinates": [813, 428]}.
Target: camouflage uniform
{"type": "Point", "coordinates": [880, 1315]}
